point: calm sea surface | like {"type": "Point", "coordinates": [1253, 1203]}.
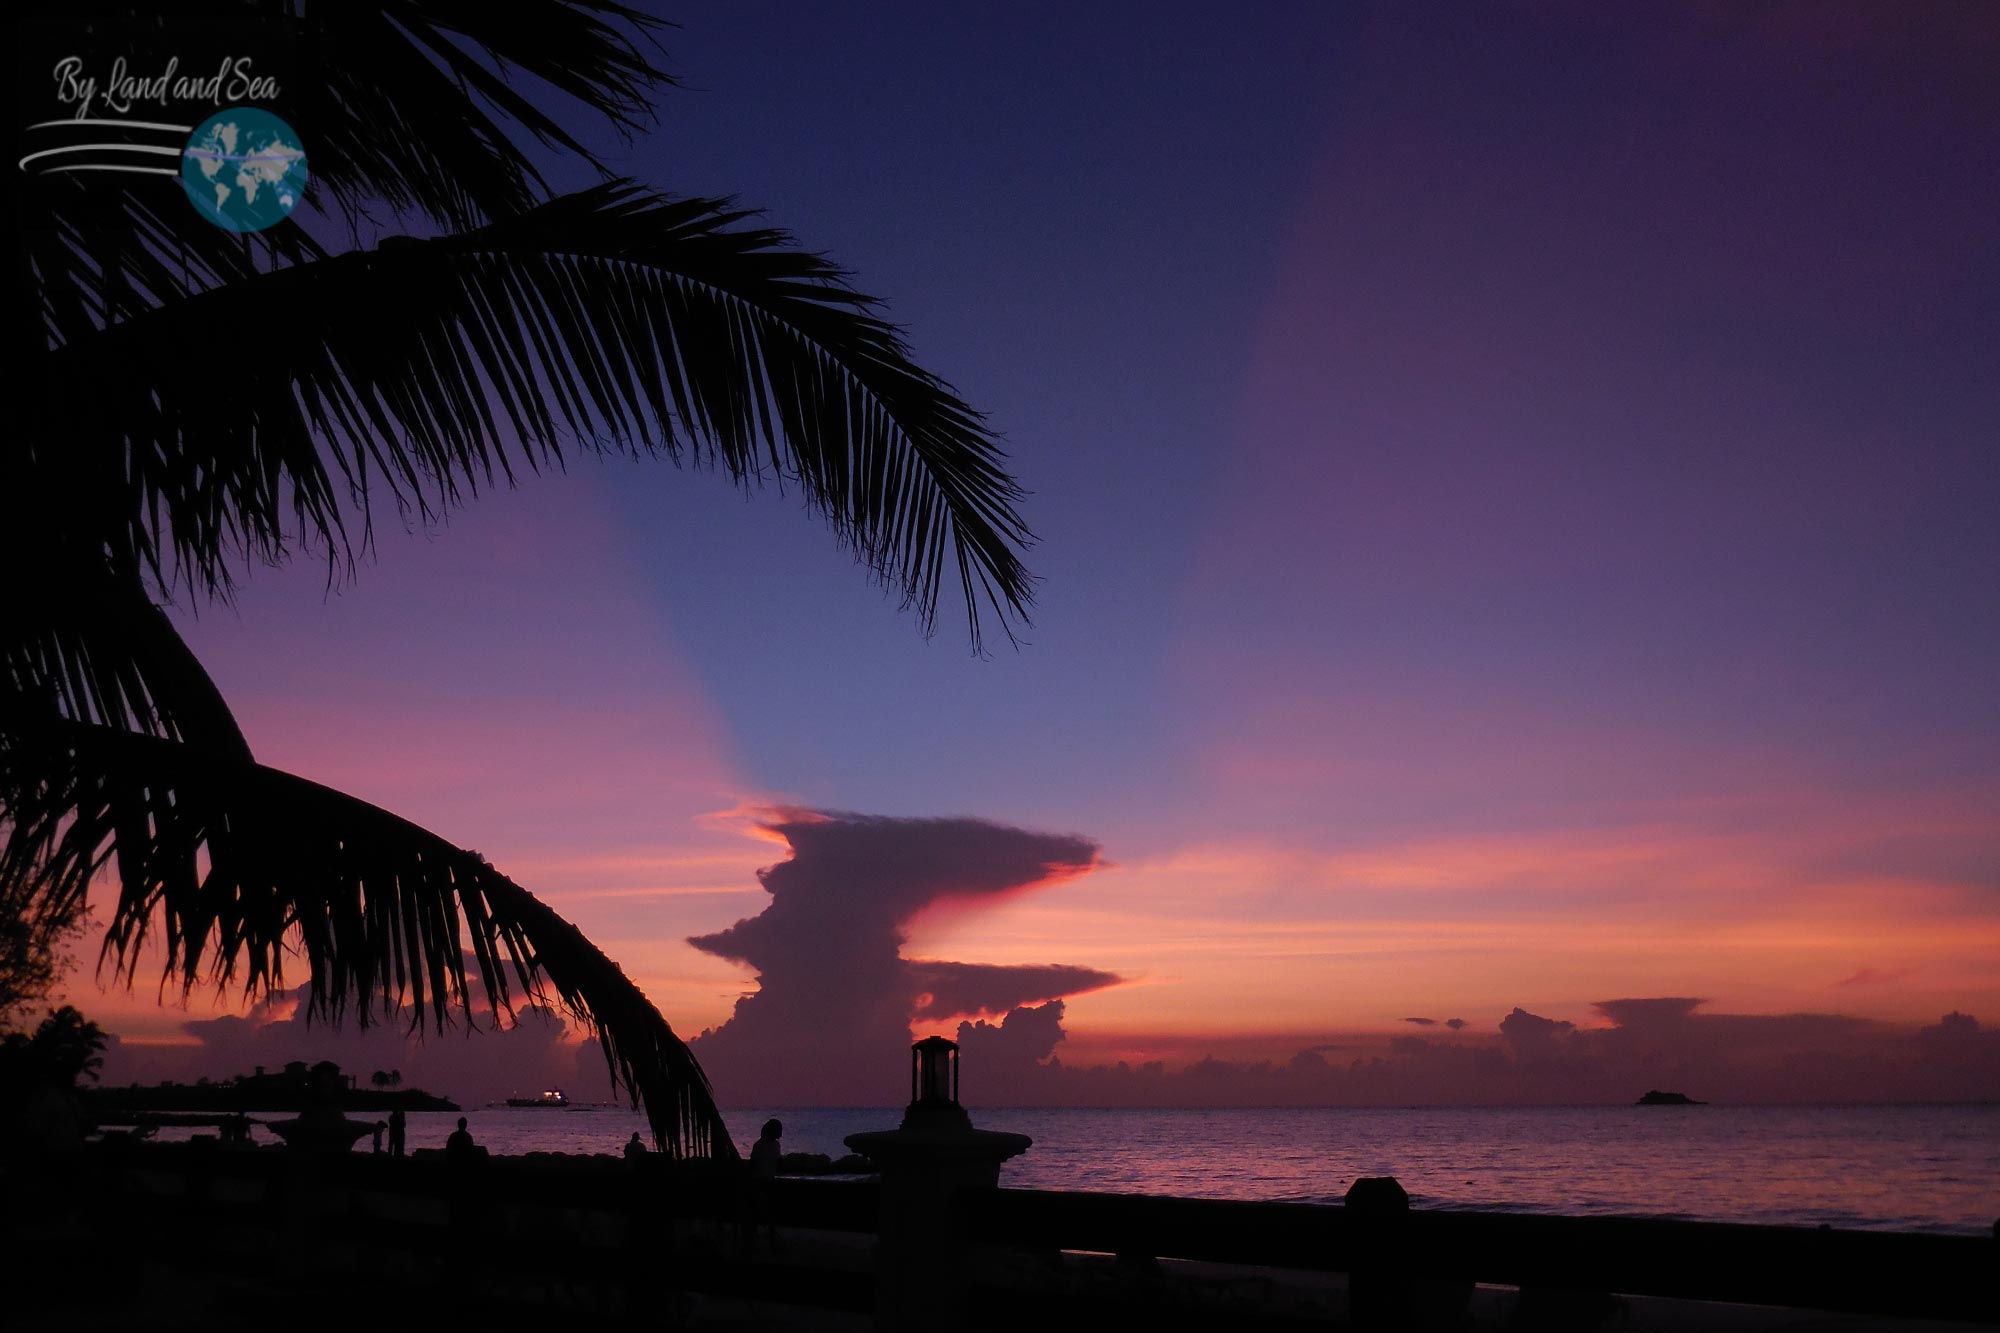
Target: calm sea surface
{"type": "Point", "coordinates": [1905, 1168]}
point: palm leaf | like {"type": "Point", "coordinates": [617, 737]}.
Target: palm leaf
{"type": "Point", "coordinates": [82, 643]}
{"type": "Point", "coordinates": [615, 318]}
{"type": "Point", "coordinates": [411, 101]}
{"type": "Point", "coordinates": [237, 865]}
{"type": "Point", "coordinates": [428, 106]}
{"type": "Point", "coordinates": [92, 254]}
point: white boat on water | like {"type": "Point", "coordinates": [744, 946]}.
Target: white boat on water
{"type": "Point", "coordinates": [550, 1099]}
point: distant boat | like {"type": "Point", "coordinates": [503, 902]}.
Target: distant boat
{"type": "Point", "coordinates": [1658, 1098]}
{"type": "Point", "coordinates": [551, 1099]}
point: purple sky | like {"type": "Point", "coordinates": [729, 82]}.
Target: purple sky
{"type": "Point", "coordinates": [1516, 490]}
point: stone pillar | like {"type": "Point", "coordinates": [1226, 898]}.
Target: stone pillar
{"type": "Point", "coordinates": [922, 1252]}
{"type": "Point", "coordinates": [1379, 1295]}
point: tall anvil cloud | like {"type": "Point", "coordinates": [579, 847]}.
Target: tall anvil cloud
{"type": "Point", "coordinates": [830, 1019]}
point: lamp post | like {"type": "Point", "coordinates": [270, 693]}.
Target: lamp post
{"type": "Point", "coordinates": [921, 1248]}
{"type": "Point", "coordinates": [934, 1087]}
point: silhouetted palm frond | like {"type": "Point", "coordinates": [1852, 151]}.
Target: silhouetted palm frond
{"type": "Point", "coordinates": [410, 101]}
{"type": "Point", "coordinates": [234, 865]}
{"type": "Point", "coordinates": [428, 106]}
{"type": "Point", "coordinates": [90, 255]}
{"type": "Point", "coordinates": [614, 317]}
{"type": "Point", "coordinates": [81, 643]}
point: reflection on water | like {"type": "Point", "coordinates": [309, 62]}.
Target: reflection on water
{"type": "Point", "coordinates": [1903, 1168]}
{"type": "Point", "coordinates": [1906, 1168]}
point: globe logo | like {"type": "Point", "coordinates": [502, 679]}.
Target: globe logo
{"type": "Point", "coordinates": [244, 169]}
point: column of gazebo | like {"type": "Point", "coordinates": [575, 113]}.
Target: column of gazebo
{"type": "Point", "coordinates": [922, 1247]}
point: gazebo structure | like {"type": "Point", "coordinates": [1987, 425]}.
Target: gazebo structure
{"type": "Point", "coordinates": [934, 1154]}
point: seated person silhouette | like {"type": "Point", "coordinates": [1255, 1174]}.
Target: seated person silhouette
{"type": "Point", "coordinates": [766, 1152]}
{"type": "Point", "coordinates": [634, 1147]}
{"type": "Point", "coordinates": [469, 1217]}
{"type": "Point", "coordinates": [460, 1147]}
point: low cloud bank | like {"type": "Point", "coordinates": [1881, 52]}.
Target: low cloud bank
{"type": "Point", "coordinates": [1665, 1042]}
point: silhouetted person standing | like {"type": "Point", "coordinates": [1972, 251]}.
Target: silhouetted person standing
{"type": "Point", "coordinates": [398, 1125]}
{"type": "Point", "coordinates": [380, 1125]}
{"type": "Point", "coordinates": [460, 1147]}
{"type": "Point", "coordinates": [765, 1155]}
{"type": "Point", "coordinates": [634, 1147]}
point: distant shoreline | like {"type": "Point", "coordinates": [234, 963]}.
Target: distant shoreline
{"type": "Point", "coordinates": [229, 1097]}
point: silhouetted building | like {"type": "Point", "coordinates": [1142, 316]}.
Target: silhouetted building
{"type": "Point", "coordinates": [292, 1084]}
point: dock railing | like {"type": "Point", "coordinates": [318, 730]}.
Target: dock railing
{"type": "Point", "coordinates": [1851, 1272]}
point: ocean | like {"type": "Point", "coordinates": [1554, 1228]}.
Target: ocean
{"type": "Point", "coordinates": [1899, 1168]}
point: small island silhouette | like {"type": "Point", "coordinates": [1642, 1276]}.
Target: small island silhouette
{"type": "Point", "coordinates": [1658, 1098]}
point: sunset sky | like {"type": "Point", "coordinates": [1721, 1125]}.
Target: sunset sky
{"type": "Point", "coordinates": [1516, 494]}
